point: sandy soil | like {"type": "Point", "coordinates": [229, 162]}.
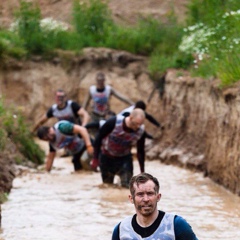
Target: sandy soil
{"type": "Point", "coordinates": [124, 11]}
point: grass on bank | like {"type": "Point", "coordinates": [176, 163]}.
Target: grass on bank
{"type": "Point", "coordinates": [92, 26]}
{"type": "Point", "coordinates": [13, 127]}
{"type": "Point", "coordinates": [212, 34]}
{"type": "Point", "coordinates": [207, 43]}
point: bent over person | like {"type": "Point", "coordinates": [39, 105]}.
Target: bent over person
{"type": "Point", "coordinates": [113, 146]}
{"type": "Point", "coordinates": [65, 134]}
{"type": "Point", "coordinates": [149, 222]}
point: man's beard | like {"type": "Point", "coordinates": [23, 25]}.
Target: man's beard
{"type": "Point", "coordinates": [145, 212]}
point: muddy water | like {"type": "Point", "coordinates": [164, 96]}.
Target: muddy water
{"type": "Point", "coordinates": [66, 206]}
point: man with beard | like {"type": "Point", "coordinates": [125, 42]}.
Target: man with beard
{"type": "Point", "coordinates": [149, 222]}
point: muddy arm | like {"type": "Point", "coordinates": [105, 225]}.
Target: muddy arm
{"type": "Point", "coordinates": [121, 97]}
{"type": "Point", "coordinates": [49, 161]}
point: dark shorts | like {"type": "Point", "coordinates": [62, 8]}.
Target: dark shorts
{"type": "Point", "coordinates": [121, 166]}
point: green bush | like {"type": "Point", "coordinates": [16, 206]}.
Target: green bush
{"type": "Point", "coordinates": [11, 45]}
{"type": "Point", "coordinates": [228, 69]}
{"type": "Point", "coordinates": [124, 38]}
{"type": "Point", "coordinates": [65, 40]}
{"type": "Point", "coordinates": [13, 126]}
{"type": "Point", "coordinates": [209, 11]}
{"type": "Point", "coordinates": [213, 38]}
{"type": "Point", "coordinates": [28, 27]}
{"type": "Point", "coordinates": [89, 20]}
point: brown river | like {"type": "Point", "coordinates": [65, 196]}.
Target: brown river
{"type": "Point", "coordinates": [62, 205]}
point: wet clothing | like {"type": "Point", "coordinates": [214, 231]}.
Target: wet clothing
{"type": "Point", "coordinates": [113, 148]}
{"type": "Point", "coordinates": [166, 227]}
{"type": "Point", "coordinates": [65, 138]}
{"type": "Point", "coordinates": [100, 99]}
{"type": "Point", "coordinates": [126, 112]}
{"type": "Point", "coordinates": [95, 124]}
{"type": "Point", "coordinates": [121, 166]}
{"type": "Point", "coordinates": [69, 112]}
{"type": "Point", "coordinates": [119, 142]}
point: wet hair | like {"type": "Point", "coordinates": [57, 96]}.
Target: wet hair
{"type": "Point", "coordinates": [42, 132]}
{"type": "Point", "coordinates": [141, 179]}
{"type": "Point", "coordinates": [140, 104]}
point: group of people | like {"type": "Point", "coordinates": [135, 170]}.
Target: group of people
{"type": "Point", "coordinates": [110, 150]}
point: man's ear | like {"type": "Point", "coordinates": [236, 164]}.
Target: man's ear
{"type": "Point", "coordinates": [159, 197]}
{"type": "Point", "coordinates": [130, 198]}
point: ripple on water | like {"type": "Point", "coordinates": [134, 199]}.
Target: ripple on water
{"type": "Point", "coordinates": [62, 205]}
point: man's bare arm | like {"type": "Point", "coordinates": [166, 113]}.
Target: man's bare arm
{"type": "Point", "coordinates": [121, 97]}
{"type": "Point", "coordinates": [85, 135]}
{"type": "Point", "coordinates": [49, 161]}
{"type": "Point", "coordinates": [84, 116]}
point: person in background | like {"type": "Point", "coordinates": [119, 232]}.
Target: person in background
{"type": "Point", "coordinates": [126, 112]}
{"type": "Point", "coordinates": [65, 134]}
{"type": "Point", "coordinates": [100, 95]}
{"type": "Point", "coordinates": [64, 109]}
{"type": "Point", "coordinates": [113, 144]}
{"type": "Point", "coordinates": [149, 222]}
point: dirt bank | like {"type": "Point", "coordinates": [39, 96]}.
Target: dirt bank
{"type": "Point", "coordinates": [123, 12]}
{"type": "Point", "coordinates": [200, 120]}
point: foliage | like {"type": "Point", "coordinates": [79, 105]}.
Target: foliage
{"type": "Point", "coordinates": [29, 30]}
{"type": "Point", "coordinates": [143, 38]}
{"type": "Point", "coordinates": [89, 21]}
{"type": "Point", "coordinates": [11, 45]}
{"type": "Point", "coordinates": [209, 11]}
{"type": "Point", "coordinates": [211, 36]}
{"type": "Point", "coordinates": [160, 63]}
{"type": "Point", "coordinates": [13, 126]}
{"type": "Point", "coordinates": [228, 72]}
{"type": "Point", "coordinates": [214, 39]}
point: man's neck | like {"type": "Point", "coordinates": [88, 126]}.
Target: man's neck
{"type": "Point", "coordinates": [147, 221]}
{"type": "Point", "coordinates": [63, 105]}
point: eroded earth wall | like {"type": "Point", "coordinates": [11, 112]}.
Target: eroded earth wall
{"type": "Point", "coordinates": [200, 121]}
{"type": "Point", "coordinates": [202, 128]}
